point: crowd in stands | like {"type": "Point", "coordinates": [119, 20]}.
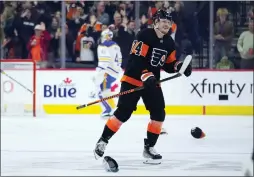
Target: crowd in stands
{"type": "Point", "coordinates": [32, 29]}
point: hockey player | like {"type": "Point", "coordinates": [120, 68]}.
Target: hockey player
{"type": "Point", "coordinates": [152, 51]}
{"type": "Point", "coordinates": [108, 70]}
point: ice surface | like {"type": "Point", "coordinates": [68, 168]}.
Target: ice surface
{"type": "Point", "coordinates": [63, 145]}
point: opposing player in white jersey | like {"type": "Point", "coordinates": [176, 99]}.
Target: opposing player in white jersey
{"type": "Point", "coordinates": [108, 70]}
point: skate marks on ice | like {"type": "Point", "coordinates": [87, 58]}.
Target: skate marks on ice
{"type": "Point", "coordinates": [64, 147]}
{"type": "Point", "coordinates": [83, 163]}
{"type": "Point", "coordinates": [49, 163]}
{"type": "Point", "coordinates": [185, 162]}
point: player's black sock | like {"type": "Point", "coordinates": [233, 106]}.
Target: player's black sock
{"type": "Point", "coordinates": [152, 138]}
{"type": "Point", "coordinates": [107, 133]}
{"type": "Point", "coordinates": [111, 127]}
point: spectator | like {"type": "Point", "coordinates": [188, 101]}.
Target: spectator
{"type": "Point", "coordinates": [25, 28]}
{"type": "Point", "coordinates": [117, 22]}
{"type": "Point", "coordinates": [91, 29]}
{"type": "Point", "coordinates": [130, 10]}
{"type": "Point", "coordinates": [12, 45]}
{"type": "Point", "coordinates": [43, 13]}
{"type": "Point", "coordinates": [94, 28]}
{"type": "Point", "coordinates": [69, 42]}
{"type": "Point", "coordinates": [144, 22]}
{"type": "Point", "coordinates": [102, 16]}
{"type": "Point", "coordinates": [8, 17]}
{"type": "Point", "coordinates": [75, 22]}
{"type": "Point", "coordinates": [83, 16]}
{"type": "Point", "coordinates": [54, 31]}
{"type": "Point", "coordinates": [245, 47]}
{"type": "Point", "coordinates": [35, 45]}
{"type": "Point", "coordinates": [223, 34]}
{"type": "Point", "coordinates": [57, 15]}
{"type": "Point", "coordinates": [110, 9]}
{"type": "Point", "coordinates": [86, 53]}
{"type": "Point", "coordinates": [177, 29]}
{"type": "Point", "coordinates": [152, 9]}
{"type": "Point", "coordinates": [45, 36]}
{"type": "Point", "coordinates": [124, 39]}
{"type": "Point", "coordinates": [190, 21]}
{"type": "Point", "coordinates": [225, 64]}
{"type": "Point", "coordinates": [71, 10]}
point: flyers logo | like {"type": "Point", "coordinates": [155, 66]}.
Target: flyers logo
{"type": "Point", "coordinates": [158, 57]}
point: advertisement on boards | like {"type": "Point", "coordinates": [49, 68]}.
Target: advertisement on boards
{"type": "Point", "coordinates": [64, 89]}
{"type": "Point", "coordinates": [223, 88]}
{"type": "Point", "coordinates": [7, 86]}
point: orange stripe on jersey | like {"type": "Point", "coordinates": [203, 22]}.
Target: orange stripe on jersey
{"type": "Point", "coordinates": [154, 127]}
{"type": "Point", "coordinates": [131, 81]}
{"type": "Point", "coordinates": [173, 28]}
{"type": "Point", "coordinates": [145, 76]}
{"type": "Point", "coordinates": [97, 27]}
{"type": "Point", "coordinates": [144, 50]}
{"type": "Point", "coordinates": [113, 124]}
{"type": "Point", "coordinates": [82, 28]}
{"type": "Point", "coordinates": [171, 57]}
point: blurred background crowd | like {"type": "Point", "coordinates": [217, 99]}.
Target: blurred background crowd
{"type": "Point", "coordinates": [218, 34]}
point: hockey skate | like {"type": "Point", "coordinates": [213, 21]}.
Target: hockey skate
{"type": "Point", "coordinates": [163, 131]}
{"type": "Point", "coordinates": [150, 155]}
{"type": "Point", "coordinates": [106, 115]}
{"type": "Point", "coordinates": [100, 148]}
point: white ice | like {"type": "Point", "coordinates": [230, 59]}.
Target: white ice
{"type": "Point", "coordinates": [63, 145]}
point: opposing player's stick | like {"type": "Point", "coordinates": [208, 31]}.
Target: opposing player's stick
{"type": "Point", "coordinates": [16, 81]}
{"type": "Point", "coordinates": [180, 73]}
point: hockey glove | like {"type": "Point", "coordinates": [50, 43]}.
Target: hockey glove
{"type": "Point", "coordinates": [188, 70]}
{"type": "Point", "coordinates": [149, 81]}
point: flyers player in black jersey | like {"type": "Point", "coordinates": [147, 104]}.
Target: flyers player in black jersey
{"type": "Point", "coordinates": [152, 51]}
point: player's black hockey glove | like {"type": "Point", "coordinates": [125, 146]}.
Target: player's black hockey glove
{"type": "Point", "coordinates": [149, 81]}
{"type": "Point", "coordinates": [188, 70]}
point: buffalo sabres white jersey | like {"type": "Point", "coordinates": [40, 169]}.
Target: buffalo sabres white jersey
{"type": "Point", "coordinates": [110, 58]}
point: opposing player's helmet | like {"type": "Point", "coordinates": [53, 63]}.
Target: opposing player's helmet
{"type": "Point", "coordinates": [161, 14]}
{"type": "Point", "coordinates": [106, 35]}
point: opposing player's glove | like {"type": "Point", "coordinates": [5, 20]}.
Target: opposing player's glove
{"type": "Point", "coordinates": [149, 81]}
{"type": "Point", "coordinates": [188, 70]}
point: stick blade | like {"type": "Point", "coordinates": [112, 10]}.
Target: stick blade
{"type": "Point", "coordinates": [81, 106]}
{"type": "Point", "coordinates": [186, 62]}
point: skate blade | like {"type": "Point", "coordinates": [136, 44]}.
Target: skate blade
{"type": "Point", "coordinates": [152, 161]}
{"type": "Point", "coordinates": [96, 156]}
{"type": "Point", "coordinates": [105, 116]}
{"type": "Point", "coordinates": [163, 133]}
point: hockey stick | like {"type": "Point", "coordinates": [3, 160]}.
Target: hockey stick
{"type": "Point", "coordinates": [16, 81]}
{"type": "Point", "coordinates": [180, 73]}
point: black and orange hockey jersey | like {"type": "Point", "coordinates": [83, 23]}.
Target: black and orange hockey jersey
{"type": "Point", "coordinates": [149, 54]}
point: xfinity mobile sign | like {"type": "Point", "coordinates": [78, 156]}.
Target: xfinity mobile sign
{"type": "Point", "coordinates": [223, 88]}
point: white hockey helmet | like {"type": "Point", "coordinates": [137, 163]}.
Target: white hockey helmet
{"type": "Point", "coordinates": [106, 35]}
